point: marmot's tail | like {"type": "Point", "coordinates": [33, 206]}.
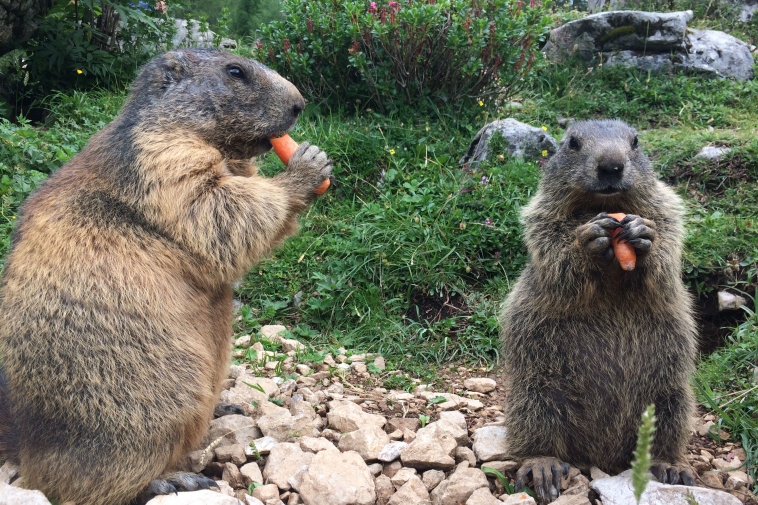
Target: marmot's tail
{"type": "Point", "coordinates": [9, 442]}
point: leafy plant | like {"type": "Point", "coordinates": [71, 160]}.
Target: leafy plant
{"type": "Point", "coordinates": [509, 488]}
{"type": "Point", "coordinates": [83, 44]}
{"type": "Point", "coordinates": [424, 419]}
{"type": "Point", "coordinates": [386, 54]}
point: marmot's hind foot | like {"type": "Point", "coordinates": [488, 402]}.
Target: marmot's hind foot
{"type": "Point", "coordinates": [173, 483]}
{"type": "Point", "coordinates": [666, 473]}
{"type": "Point", "coordinates": [226, 409]}
{"type": "Point", "coordinates": [546, 474]}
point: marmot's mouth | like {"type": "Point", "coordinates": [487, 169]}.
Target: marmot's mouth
{"type": "Point", "coordinates": [609, 191]}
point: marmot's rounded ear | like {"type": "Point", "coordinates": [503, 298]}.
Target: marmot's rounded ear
{"type": "Point", "coordinates": [173, 67]}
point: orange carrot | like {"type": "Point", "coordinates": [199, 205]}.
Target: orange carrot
{"type": "Point", "coordinates": [324, 186]}
{"type": "Point", "coordinates": [624, 251]}
{"type": "Point", "coordinates": [284, 147]}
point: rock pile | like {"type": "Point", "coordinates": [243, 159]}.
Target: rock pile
{"type": "Point", "coordinates": [313, 436]}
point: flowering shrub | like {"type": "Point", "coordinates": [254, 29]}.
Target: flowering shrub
{"type": "Point", "coordinates": [407, 51]}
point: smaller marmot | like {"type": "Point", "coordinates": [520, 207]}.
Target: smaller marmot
{"type": "Point", "coordinates": [588, 345]}
{"type": "Point", "coordinates": [116, 299]}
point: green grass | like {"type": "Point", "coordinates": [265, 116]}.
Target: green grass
{"type": "Point", "coordinates": [406, 229]}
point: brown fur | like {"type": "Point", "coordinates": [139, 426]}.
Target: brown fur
{"type": "Point", "coordinates": [587, 345]}
{"type": "Point", "coordinates": [116, 301]}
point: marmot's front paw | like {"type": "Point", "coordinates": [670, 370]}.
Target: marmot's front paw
{"type": "Point", "coordinates": [595, 236]}
{"type": "Point", "coordinates": [309, 166]}
{"type": "Point", "coordinates": [638, 231]}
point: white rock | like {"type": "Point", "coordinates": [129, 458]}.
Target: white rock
{"type": "Point", "coordinates": [243, 341]}
{"type": "Point", "coordinates": [235, 429]}
{"type": "Point", "coordinates": [384, 489]}
{"type": "Point", "coordinates": [402, 476]}
{"type": "Point", "coordinates": [235, 371]}
{"type": "Point", "coordinates": [459, 487]}
{"type": "Point", "coordinates": [303, 369]}
{"type": "Point", "coordinates": [204, 497]}
{"type": "Point", "coordinates": [454, 417]}
{"type": "Point", "coordinates": [263, 446]}
{"type": "Point", "coordinates": [234, 453]}
{"type": "Point", "coordinates": [250, 500]}
{"type": "Point", "coordinates": [518, 499]}
{"type": "Point", "coordinates": [729, 301]}
{"type": "Point", "coordinates": [267, 492]}
{"type": "Point", "coordinates": [480, 385]}
{"type": "Point", "coordinates": [375, 469]}
{"type": "Point", "coordinates": [359, 367]}
{"type": "Point", "coordinates": [566, 499]}
{"type": "Point", "coordinates": [432, 448]}
{"type": "Point", "coordinates": [596, 473]}
{"type": "Point", "coordinates": [290, 344]}
{"type": "Point", "coordinates": [452, 401]}
{"type": "Point", "coordinates": [618, 491]}
{"type": "Point", "coordinates": [413, 492]}
{"type": "Point", "coordinates": [490, 444]}
{"type": "Point", "coordinates": [380, 363]}
{"type": "Point", "coordinates": [465, 454]}
{"type": "Point", "coordinates": [368, 441]}
{"type": "Point", "coordinates": [337, 479]}
{"type": "Point", "coordinates": [272, 331]}
{"type": "Point", "coordinates": [283, 462]}
{"type": "Point", "coordinates": [8, 472]}
{"type": "Point", "coordinates": [482, 496]}
{"type": "Point", "coordinates": [712, 152]}
{"type": "Point", "coordinates": [432, 478]}
{"type": "Point", "coordinates": [251, 400]}
{"type": "Point", "coordinates": [346, 416]}
{"type": "Point", "coordinates": [11, 495]}
{"type": "Point", "coordinates": [391, 451]}
{"type": "Point", "coordinates": [503, 466]}
{"type": "Point", "coordinates": [283, 426]}
{"type": "Point", "coordinates": [251, 472]}
{"type": "Point", "coordinates": [225, 488]}
{"type": "Point", "coordinates": [522, 141]}
{"type": "Point", "coordinates": [316, 444]}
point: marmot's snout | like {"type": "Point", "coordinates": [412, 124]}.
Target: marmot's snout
{"type": "Point", "coordinates": [610, 170]}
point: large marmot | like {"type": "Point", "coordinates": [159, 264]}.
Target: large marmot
{"type": "Point", "coordinates": [116, 308]}
{"type": "Point", "coordinates": [588, 345]}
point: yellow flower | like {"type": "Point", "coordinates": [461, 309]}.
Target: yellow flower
{"type": "Point", "coordinates": [544, 153]}
{"type": "Point", "coordinates": [544, 127]}
{"type": "Point", "coordinates": [481, 104]}
{"type": "Point", "coordinates": [79, 71]}
{"type": "Point", "coordinates": [392, 152]}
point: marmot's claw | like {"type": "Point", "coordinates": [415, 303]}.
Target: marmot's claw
{"type": "Point", "coordinates": [226, 409]}
{"type": "Point", "coordinates": [545, 475]}
{"type": "Point", "coordinates": [673, 474]}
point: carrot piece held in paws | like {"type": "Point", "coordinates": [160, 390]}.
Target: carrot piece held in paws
{"type": "Point", "coordinates": [284, 147]}
{"type": "Point", "coordinates": [624, 251]}
{"type": "Point", "coordinates": [323, 187]}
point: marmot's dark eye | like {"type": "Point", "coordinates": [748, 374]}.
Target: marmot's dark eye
{"type": "Point", "coordinates": [635, 142]}
{"type": "Point", "coordinates": [574, 143]}
{"type": "Point", "coordinates": [236, 72]}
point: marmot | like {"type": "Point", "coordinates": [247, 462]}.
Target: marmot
{"type": "Point", "coordinates": [116, 301]}
{"type": "Point", "coordinates": [588, 345]}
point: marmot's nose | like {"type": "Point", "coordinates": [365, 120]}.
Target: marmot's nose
{"type": "Point", "coordinates": [298, 107]}
{"type": "Point", "coordinates": [610, 168]}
